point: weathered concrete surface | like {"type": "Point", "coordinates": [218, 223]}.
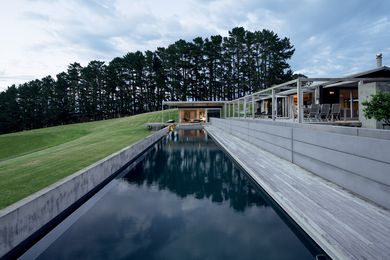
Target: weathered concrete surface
{"type": "Point", "coordinates": [349, 157]}
{"type": "Point", "coordinates": [343, 224]}
{"type": "Point", "coordinates": [20, 220]}
{"type": "Point", "coordinates": [345, 130]}
{"type": "Point", "coordinates": [365, 92]}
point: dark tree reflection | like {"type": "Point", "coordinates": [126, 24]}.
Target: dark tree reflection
{"type": "Point", "coordinates": [152, 212]}
{"type": "Point", "coordinates": [188, 163]}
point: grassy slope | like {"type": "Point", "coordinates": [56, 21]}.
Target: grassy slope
{"type": "Point", "coordinates": [32, 160]}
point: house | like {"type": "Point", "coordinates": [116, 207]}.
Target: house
{"type": "Point", "coordinates": [347, 93]}
{"type": "Point", "coordinates": [295, 100]}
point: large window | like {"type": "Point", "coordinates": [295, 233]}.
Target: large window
{"type": "Point", "coordinates": [192, 115]}
{"type": "Point", "coordinates": [307, 99]}
{"type": "Point", "coordinates": [349, 101]}
{"type": "Point", "coordinates": [213, 113]}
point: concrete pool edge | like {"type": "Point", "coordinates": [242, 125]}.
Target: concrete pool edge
{"type": "Point", "coordinates": [316, 236]}
{"type": "Point", "coordinates": [21, 220]}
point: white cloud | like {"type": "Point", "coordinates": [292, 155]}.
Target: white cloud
{"type": "Point", "coordinates": [40, 37]}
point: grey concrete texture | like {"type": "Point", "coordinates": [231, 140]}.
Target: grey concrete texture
{"type": "Point", "coordinates": [345, 130]}
{"type": "Point", "coordinates": [349, 157]}
{"type": "Point", "coordinates": [365, 92]}
{"type": "Point", "coordinates": [22, 219]}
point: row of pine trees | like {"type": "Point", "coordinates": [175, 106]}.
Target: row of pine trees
{"type": "Point", "coordinates": [215, 68]}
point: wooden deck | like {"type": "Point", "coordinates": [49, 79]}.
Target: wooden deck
{"type": "Point", "coordinates": [343, 224]}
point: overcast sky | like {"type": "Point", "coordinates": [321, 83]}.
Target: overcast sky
{"type": "Point", "coordinates": [41, 37]}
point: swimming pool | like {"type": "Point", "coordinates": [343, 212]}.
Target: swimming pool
{"type": "Point", "coordinates": [183, 199]}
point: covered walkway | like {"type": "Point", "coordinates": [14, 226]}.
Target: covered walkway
{"type": "Point", "coordinates": [246, 106]}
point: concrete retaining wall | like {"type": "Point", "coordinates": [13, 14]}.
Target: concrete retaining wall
{"type": "Point", "coordinates": [356, 159]}
{"type": "Point", "coordinates": [365, 92]}
{"type": "Point", "coordinates": [22, 219]}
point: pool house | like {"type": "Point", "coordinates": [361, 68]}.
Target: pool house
{"type": "Point", "coordinates": [195, 111]}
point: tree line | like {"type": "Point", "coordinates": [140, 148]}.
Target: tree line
{"type": "Point", "coordinates": [215, 68]}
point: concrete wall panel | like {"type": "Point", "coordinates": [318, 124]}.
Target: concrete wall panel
{"type": "Point", "coordinates": [275, 130]}
{"type": "Point", "coordinates": [370, 169]}
{"type": "Point", "coordinates": [374, 133]}
{"type": "Point", "coordinates": [354, 158]}
{"type": "Point", "coordinates": [277, 150]}
{"type": "Point", "coordinates": [374, 191]}
{"type": "Point", "coordinates": [356, 145]}
{"type": "Point", "coordinates": [272, 139]}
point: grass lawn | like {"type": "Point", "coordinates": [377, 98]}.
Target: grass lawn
{"type": "Point", "coordinates": [32, 160]}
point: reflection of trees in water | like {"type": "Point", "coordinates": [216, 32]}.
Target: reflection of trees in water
{"type": "Point", "coordinates": [196, 170]}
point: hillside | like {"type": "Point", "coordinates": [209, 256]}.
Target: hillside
{"type": "Point", "coordinates": [32, 160]}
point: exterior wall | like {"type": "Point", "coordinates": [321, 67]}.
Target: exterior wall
{"type": "Point", "coordinates": [22, 219]}
{"type": "Point", "coordinates": [356, 160]}
{"type": "Point", "coordinates": [365, 92]}
{"type": "Point", "coordinates": [383, 87]}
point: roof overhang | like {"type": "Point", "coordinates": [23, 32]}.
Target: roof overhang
{"type": "Point", "coordinates": [384, 70]}
{"type": "Point", "coordinates": [194, 104]}
{"type": "Point", "coordinates": [349, 83]}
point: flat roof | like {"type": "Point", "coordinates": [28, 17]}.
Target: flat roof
{"type": "Point", "coordinates": [194, 104]}
{"type": "Point", "coordinates": [384, 69]}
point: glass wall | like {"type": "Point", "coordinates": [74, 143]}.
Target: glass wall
{"type": "Point", "coordinates": [192, 115]}
{"type": "Point", "coordinates": [349, 101]}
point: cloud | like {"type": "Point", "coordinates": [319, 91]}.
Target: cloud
{"type": "Point", "coordinates": [35, 16]}
{"type": "Point", "coordinates": [9, 80]}
{"type": "Point", "coordinates": [16, 77]}
{"type": "Point", "coordinates": [331, 38]}
{"type": "Point", "coordinates": [343, 44]}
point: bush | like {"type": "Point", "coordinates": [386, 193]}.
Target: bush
{"type": "Point", "coordinates": [378, 107]}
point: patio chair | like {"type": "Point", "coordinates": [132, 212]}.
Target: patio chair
{"type": "Point", "coordinates": [314, 112]}
{"type": "Point", "coordinates": [258, 112]}
{"type": "Point", "coordinates": [306, 112]}
{"type": "Point", "coordinates": [335, 112]}
{"type": "Point", "coordinates": [324, 114]}
{"type": "Point", "coordinates": [294, 112]}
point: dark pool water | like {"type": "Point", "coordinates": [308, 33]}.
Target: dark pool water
{"type": "Point", "coordinates": [184, 200]}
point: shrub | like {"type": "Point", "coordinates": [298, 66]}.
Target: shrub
{"type": "Point", "coordinates": [378, 107]}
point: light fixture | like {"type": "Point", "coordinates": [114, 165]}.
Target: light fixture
{"type": "Point", "coordinates": [331, 92]}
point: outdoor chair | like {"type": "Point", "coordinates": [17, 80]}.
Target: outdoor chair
{"type": "Point", "coordinates": [314, 112]}
{"type": "Point", "coordinates": [306, 112]}
{"type": "Point", "coordinates": [268, 114]}
{"type": "Point", "coordinates": [294, 111]}
{"type": "Point", "coordinates": [335, 112]}
{"type": "Point", "coordinates": [324, 114]}
{"type": "Point", "coordinates": [258, 112]}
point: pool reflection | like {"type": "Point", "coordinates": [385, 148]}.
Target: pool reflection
{"type": "Point", "coordinates": [196, 168]}
{"type": "Point", "coordinates": [185, 200]}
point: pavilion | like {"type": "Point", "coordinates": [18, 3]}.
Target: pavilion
{"type": "Point", "coordinates": [195, 111]}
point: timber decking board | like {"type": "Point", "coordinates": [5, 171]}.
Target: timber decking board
{"type": "Point", "coordinates": [343, 224]}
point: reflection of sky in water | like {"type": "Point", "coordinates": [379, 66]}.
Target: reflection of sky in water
{"type": "Point", "coordinates": [186, 200]}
